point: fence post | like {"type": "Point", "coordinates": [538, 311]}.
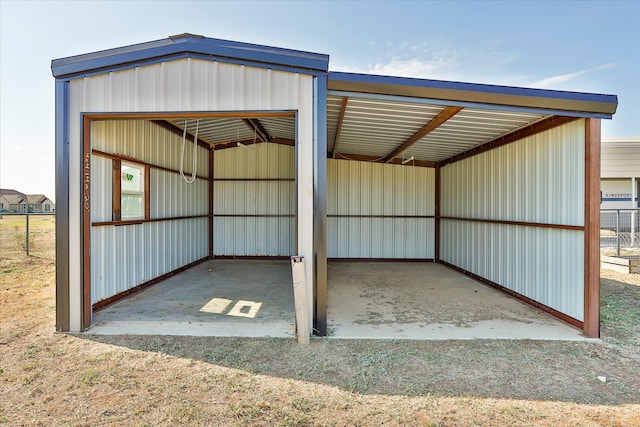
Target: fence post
{"type": "Point", "coordinates": [27, 236]}
{"type": "Point", "coordinates": [617, 232]}
{"type": "Point", "coordinates": [633, 228]}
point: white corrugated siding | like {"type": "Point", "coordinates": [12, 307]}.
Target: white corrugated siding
{"type": "Point", "coordinates": [242, 233]}
{"type": "Point", "coordinates": [374, 189]}
{"type": "Point", "coordinates": [101, 189]}
{"type": "Point", "coordinates": [618, 193]}
{"type": "Point", "coordinates": [620, 158]}
{"type": "Point", "coordinates": [143, 140]}
{"type": "Point", "coordinates": [538, 179]}
{"type": "Point", "coordinates": [187, 85]}
{"type": "Point", "coordinates": [191, 85]}
{"type": "Point", "coordinates": [125, 256]}
{"type": "Point", "coordinates": [544, 264]}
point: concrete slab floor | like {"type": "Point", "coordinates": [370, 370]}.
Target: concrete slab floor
{"type": "Point", "coordinates": [385, 300]}
{"type": "Point", "coordinates": [427, 301]}
{"type": "Point", "coordinates": [248, 298]}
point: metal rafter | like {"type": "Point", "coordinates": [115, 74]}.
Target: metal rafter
{"type": "Point", "coordinates": [433, 124]}
{"type": "Point", "coordinates": [180, 132]}
{"type": "Point", "coordinates": [343, 110]}
{"type": "Point", "coordinates": [249, 141]}
{"type": "Point", "coordinates": [256, 126]}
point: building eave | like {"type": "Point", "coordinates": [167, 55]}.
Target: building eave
{"type": "Point", "coordinates": [185, 45]}
{"type": "Point", "coordinates": [576, 103]}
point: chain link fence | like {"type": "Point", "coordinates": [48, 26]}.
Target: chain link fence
{"type": "Point", "coordinates": [620, 232]}
{"type": "Point", "coordinates": [19, 230]}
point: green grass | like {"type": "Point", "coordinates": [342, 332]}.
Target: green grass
{"type": "Point", "coordinates": [36, 222]}
{"type": "Point", "coordinates": [620, 314]}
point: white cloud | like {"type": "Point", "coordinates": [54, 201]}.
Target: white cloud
{"type": "Point", "coordinates": [488, 65]}
{"type": "Point", "coordinates": [414, 67]}
{"type": "Point", "coordinates": [563, 78]}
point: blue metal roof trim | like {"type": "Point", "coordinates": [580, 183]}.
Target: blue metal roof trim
{"type": "Point", "coordinates": [185, 44]}
{"type": "Point", "coordinates": [490, 94]}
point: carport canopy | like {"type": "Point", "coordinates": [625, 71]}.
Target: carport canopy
{"type": "Point", "coordinates": [418, 122]}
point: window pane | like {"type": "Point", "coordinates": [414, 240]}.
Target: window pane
{"type": "Point", "coordinates": [132, 206]}
{"type": "Point", "coordinates": [131, 178]}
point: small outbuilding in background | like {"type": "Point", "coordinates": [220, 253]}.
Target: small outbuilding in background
{"type": "Point", "coordinates": [189, 148]}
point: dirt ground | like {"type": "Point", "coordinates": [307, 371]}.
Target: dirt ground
{"type": "Point", "coordinates": [50, 379]}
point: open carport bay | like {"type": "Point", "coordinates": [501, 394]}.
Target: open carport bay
{"type": "Point", "coordinates": [377, 300]}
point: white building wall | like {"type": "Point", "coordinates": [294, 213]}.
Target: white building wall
{"type": "Point", "coordinates": [189, 85]}
{"type": "Point", "coordinates": [620, 158]}
{"type": "Point", "coordinates": [619, 193]}
{"type": "Point", "coordinates": [539, 179]}
{"type": "Point", "coordinates": [254, 215]}
{"type": "Point", "coordinates": [372, 210]}
{"type": "Point", "coordinates": [125, 256]}
{"type": "Point", "coordinates": [620, 173]}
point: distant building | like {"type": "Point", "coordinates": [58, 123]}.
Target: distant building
{"type": "Point", "coordinates": [12, 201]}
{"type": "Point", "coordinates": [39, 203]}
{"type": "Point", "coordinates": [620, 173]}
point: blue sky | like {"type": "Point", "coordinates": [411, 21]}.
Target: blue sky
{"type": "Point", "coordinates": [584, 46]}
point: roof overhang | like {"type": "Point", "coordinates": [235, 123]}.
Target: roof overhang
{"type": "Point", "coordinates": [424, 122]}
{"type": "Point", "coordinates": [189, 45]}
{"type": "Point", "coordinates": [560, 102]}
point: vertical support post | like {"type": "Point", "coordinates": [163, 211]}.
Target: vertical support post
{"type": "Point", "coordinates": [305, 193]}
{"type": "Point", "coordinates": [62, 206]}
{"type": "Point", "coordinates": [320, 203]}
{"type": "Point", "coordinates": [86, 221]}
{"type": "Point", "coordinates": [147, 192]}
{"type": "Point", "coordinates": [300, 299]}
{"type": "Point", "coordinates": [617, 232]}
{"type": "Point", "coordinates": [634, 212]}
{"type": "Point", "coordinates": [27, 232]}
{"type": "Point", "coordinates": [211, 190]}
{"type": "Point", "coordinates": [116, 193]}
{"type": "Point", "coordinates": [436, 252]}
{"type": "Point", "coordinates": [591, 324]}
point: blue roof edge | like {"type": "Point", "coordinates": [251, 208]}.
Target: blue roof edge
{"type": "Point", "coordinates": [188, 43]}
{"type": "Point", "coordinates": [483, 93]}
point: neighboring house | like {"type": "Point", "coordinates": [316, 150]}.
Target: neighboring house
{"type": "Point", "coordinates": [12, 201]}
{"type": "Point", "coordinates": [4, 204]}
{"type": "Point", "coordinates": [620, 173]}
{"type": "Point", "coordinates": [39, 203]}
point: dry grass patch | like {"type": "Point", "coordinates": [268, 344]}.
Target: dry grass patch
{"type": "Point", "coordinates": [48, 378]}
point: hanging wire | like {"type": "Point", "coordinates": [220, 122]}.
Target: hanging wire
{"type": "Point", "coordinates": [194, 166]}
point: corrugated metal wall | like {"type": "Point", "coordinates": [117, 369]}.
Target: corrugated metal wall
{"type": "Point", "coordinates": [620, 158]}
{"type": "Point", "coordinates": [125, 256]}
{"type": "Point", "coordinates": [618, 193]}
{"type": "Point", "coordinates": [364, 198]}
{"type": "Point", "coordinates": [539, 179]}
{"type": "Point", "coordinates": [192, 85]}
{"type": "Point", "coordinates": [254, 201]}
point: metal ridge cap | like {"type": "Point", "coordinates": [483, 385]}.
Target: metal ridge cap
{"type": "Point", "coordinates": [142, 52]}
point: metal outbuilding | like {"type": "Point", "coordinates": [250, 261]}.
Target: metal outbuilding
{"type": "Point", "coordinates": [286, 158]}
{"type": "Point", "coordinates": [620, 183]}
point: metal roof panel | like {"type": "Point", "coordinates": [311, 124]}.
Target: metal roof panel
{"type": "Point", "coordinates": [586, 103]}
